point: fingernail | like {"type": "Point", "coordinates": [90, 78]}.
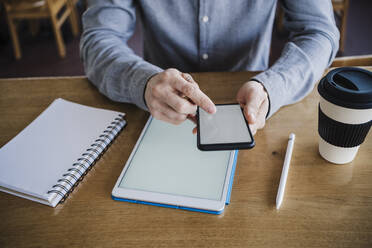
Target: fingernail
{"type": "Point", "coordinates": [212, 110]}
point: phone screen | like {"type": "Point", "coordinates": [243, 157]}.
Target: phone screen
{"type": "Point", "coordinates": [227, 129]}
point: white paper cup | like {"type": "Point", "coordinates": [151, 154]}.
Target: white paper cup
{"type": "Point", "coordinates": [345, 113]}
{"type": "Point", "coordinates": [339, 154]}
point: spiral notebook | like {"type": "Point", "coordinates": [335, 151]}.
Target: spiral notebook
{"type": "Point", "coordinates": [47, 159]}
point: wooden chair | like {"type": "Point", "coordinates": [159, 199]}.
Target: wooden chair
{"type": "Point", "coordinates": [363, 60]}
{"type": "Point", "coordinates": [56, 10]}
{"type": "Point", "coordinates": [340, 7]}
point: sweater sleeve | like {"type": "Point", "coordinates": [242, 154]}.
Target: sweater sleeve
{"type": "Point", "coordinates": [109, 63]}
{"type": "Point", "coordinates": [312, 46]}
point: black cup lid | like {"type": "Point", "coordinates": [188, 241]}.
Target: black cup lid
{"type": "Point", "coordinates": [348, 87]}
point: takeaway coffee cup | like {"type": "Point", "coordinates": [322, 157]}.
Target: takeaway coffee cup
{"type": "Point", "coordinates": [345, 113]}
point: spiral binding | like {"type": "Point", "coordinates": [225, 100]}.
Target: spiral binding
{"type": "Point", "coordinates": [83, 165]}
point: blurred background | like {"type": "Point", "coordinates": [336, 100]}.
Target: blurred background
{"type": "Point", "coordinates": [48, 45]}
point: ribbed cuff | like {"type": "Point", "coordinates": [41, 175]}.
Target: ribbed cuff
{"type": "Point", "coordinates": [137, 89]}
{"type": "Point", "coordinates": [271, 81]}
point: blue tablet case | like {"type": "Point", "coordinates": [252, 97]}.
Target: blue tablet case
{"type": "Point", "coordinates": [151, 141]}
{"type": "Point", "coordinates": [186, 208]}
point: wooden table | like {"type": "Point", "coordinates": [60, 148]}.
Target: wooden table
{"type": "Point", "coordinates": [325, 205]}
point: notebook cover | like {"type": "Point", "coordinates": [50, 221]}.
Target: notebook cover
{"type": "Point", "coordinates": [49, 156]}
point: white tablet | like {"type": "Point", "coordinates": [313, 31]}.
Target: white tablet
{"type": "Point", "coordinates": [166, 168]}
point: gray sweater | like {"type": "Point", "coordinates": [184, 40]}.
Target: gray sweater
{"type": "Point", "coordinates": [202, 35]}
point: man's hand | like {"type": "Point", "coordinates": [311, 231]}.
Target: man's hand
{"type": "Point", "coordinates": [173, 96]}
{"type": "Point", "coordinates": [253, 98]}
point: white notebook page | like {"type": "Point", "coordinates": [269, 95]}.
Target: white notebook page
{"type": "Point", "coordinates": [33, 161]}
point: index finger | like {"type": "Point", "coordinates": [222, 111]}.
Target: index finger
{"type": "Point", "coordinates": [189, 78]}
{"type": "Point", "coordinates": [196, 95]}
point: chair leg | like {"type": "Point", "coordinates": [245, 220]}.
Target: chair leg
{"type": "Point", "coordinates": [73, 17]}
{"type": "Point", "coordinates": [58, 36]}
{"type": "Point", "coordinates": [280, 23]}
{"type": "Point", "coordinates": [343, 25]}
{"type": "Point", "coordinates": [15, 40]}
{"type": "Point", "coordinates": [34, 27]}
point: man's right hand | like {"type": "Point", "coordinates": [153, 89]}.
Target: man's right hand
{"type": "Point", "coordinates": [173, 96]}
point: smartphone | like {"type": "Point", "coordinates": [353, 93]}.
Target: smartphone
{"type": "Point", "coordinates": [227, 129]}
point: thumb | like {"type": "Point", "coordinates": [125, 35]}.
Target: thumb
{"type": "Point", "coordinates": [251, 111]}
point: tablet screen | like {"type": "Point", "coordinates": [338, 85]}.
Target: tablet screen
{"type": "Point", "coordinates": [168, 161]}
{"type": "Point", "coordinates": [227, 125]}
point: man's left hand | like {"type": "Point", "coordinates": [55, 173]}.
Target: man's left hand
{"type": "Point", "coordinates": [254, 100]}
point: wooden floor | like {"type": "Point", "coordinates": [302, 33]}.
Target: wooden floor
{"type": "Point", "coordinates": [40, 57]}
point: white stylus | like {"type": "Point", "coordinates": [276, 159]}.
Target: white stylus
{"type": "Point", "coordinates": [283, 178]}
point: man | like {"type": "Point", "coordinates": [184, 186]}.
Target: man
{"type": "Point", "coordinates": [202, 35]}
